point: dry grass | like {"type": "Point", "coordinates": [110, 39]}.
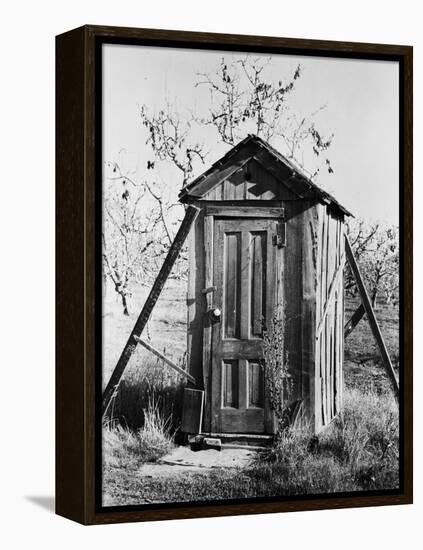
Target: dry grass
{"type": "Point", "coordinates": [155, 437]}
{"type": "Point", "coordinates": [358, 451]}
{"type": "Point", "coordinates": [125, 450]}
{"type": "Point", "coordinates": [148, 381]}
{"type": "Point", "coordinates": [166, 328]}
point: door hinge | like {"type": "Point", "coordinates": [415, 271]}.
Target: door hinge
{"type": "Point", "coordinates": [279, 239]}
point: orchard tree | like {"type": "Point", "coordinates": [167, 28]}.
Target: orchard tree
{"type": "Point", "coordinates": [376, 248]}
{"type": "Point", "coordinates": [243, 100]}
{"type": "Point", "coordinates": [141, 216]}
{"type": "Point", "coordinates": [136, 232]}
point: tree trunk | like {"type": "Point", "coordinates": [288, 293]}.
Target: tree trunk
{"type": "Point", "coordinates": [124, 304]}
{"type": "Point", "coordinates": [374, 296]}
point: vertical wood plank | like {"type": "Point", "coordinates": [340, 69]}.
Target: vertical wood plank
{"type": "Point", "coordinates": [317, 409]}
{"type": "Point", "coordinates": [195, 299]}
{"type": "Point", "coordinates": [293, 293]}
{"type": "Point", "coordinates": [274, 304]}
{"type": "Point", "coordinates": [245, 285]}
{"type": "Point", "coordinates": [217, 329]}
{"type": "Point", "coordinates": [239, 190]}
{"type": "Point", "coordinates": [341, 324]}
{"type": "Point", "coordinates": [309, 275]}
{"type": "Point", "coordinates": [208, 241]}
{"type": "Point", "coordinates": [323, 272]}
{"type": "Point", "coordinates": [337, 361]}
{"type": "Point", "coordinates": [228, 192]}
{"type": "Point", "coordinates": [332, 367]}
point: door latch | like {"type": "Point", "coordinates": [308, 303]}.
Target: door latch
{"type": "Point", "coordinates": [279, 239]}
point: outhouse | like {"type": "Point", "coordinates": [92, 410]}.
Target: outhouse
{"type": "Point", "coordinates": [267, 244]}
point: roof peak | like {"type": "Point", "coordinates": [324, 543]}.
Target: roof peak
{"type": "Point", "coordinates": [297, 174]}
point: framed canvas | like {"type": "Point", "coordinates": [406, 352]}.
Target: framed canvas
{"type": "Point", "coordinates": [234, 274]}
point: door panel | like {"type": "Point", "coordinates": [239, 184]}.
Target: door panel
{"type": "Point", "coordinates": [230, 383]}
{"type": "Point", "coordinates": [258, 282]}
{"type": "Point", "coordinates": [244, 277]}
{"type": "Point", "coordinates": [255, 384]}
{"type": "Point", "coordinates": [232, 283]}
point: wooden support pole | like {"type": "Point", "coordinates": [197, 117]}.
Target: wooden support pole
{"type": "Point", "coordinates": [173, 253]}
{"type": "Point", "coordinates": [165, 359]}
{"type": "Point", "coordinates": [371, 316]}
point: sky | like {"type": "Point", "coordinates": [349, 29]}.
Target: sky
{"type": "Point", "coordinates": [361, 99]}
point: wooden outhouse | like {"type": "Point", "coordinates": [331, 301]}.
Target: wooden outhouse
{"type": "Point", "coordinates": [268, 243]}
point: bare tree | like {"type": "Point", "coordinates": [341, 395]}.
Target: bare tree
{"type": "Point", "coordinates": [136, 231]}
{"type": "Point", "coordinates": [140, 216]}
{"type": "Point", "coordinates": [244, 100]}
{"type": "Point", "coordinates": [170, 140]}
{"type": "Point", "coordinates": [376, 248]}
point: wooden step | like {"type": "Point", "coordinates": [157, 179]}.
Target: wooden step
{"type": "Point", "coordinates": [234, 440]}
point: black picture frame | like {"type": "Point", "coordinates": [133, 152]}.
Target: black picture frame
{"type": "Point", "coordinates": [78, 271]}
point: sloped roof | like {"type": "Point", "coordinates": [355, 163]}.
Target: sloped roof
{"type": "Point", "coordinates": [293, 178]}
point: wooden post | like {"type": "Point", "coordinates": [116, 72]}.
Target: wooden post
{"type": "Point", "coordinates": [165, 359]}
{"type": "Point", "coordinates": [355, 319]}
{"type": "Point", "coordinates": [371, 316]}
{"type": "Point", "coordinates": [190, 215]}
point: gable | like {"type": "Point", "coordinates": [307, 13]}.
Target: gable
{"type": "Point", "coordinates": [251, 181]}
{"type": "Point", "coordinates": [253, 170]}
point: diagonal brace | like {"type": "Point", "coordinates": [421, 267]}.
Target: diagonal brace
{"type": "Point", "coordinates": [173, 253]}
{"type": "Point", "coordinates": [371, 316]}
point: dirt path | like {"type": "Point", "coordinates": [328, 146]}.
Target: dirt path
{"type": "Point", "coordinates": [182, 460]}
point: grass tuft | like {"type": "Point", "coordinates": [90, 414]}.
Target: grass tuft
{"type": "Point", "coordinates": [155, 438]}
{"type": "Point", "coordinates": [125, 448]}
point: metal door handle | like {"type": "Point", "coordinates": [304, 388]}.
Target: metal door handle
{"type": "Point", "coordinates": [215, 314]}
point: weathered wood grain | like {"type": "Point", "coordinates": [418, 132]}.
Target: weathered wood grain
{"type": "Point", "coordinates": [332, 290]}
{"type": "Point", "coordinates": [244, 276]}
{"type": "Point", "coordinates": [244, 211]}
{"type": "Point", "coordinates": [329, 307]}
{"type": "Point", "coordinates": [206, 320]}
{"type": "Point", "coordinates": [309, 276]}
{"type": "Point", "coordinates": [292, 292]}
{"type": "Point", "coordinates": [192, 411]}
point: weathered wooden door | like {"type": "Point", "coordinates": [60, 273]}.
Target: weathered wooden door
{"type": "Point", "coordinates": [244, 274]}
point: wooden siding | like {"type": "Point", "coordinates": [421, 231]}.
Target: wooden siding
{"type": "Point", "coordinates": [290, 309]}
{"type": "Point", "coordinates": [196, 304]}
{"type": "Point", "coordinates": [309, 278]}
{"type": "Point", "coordinates": [250, 182]}
{"type": "Point", "coordinates": [305, 297]}
{"type": "Point", "coordinates": [329, 344]}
